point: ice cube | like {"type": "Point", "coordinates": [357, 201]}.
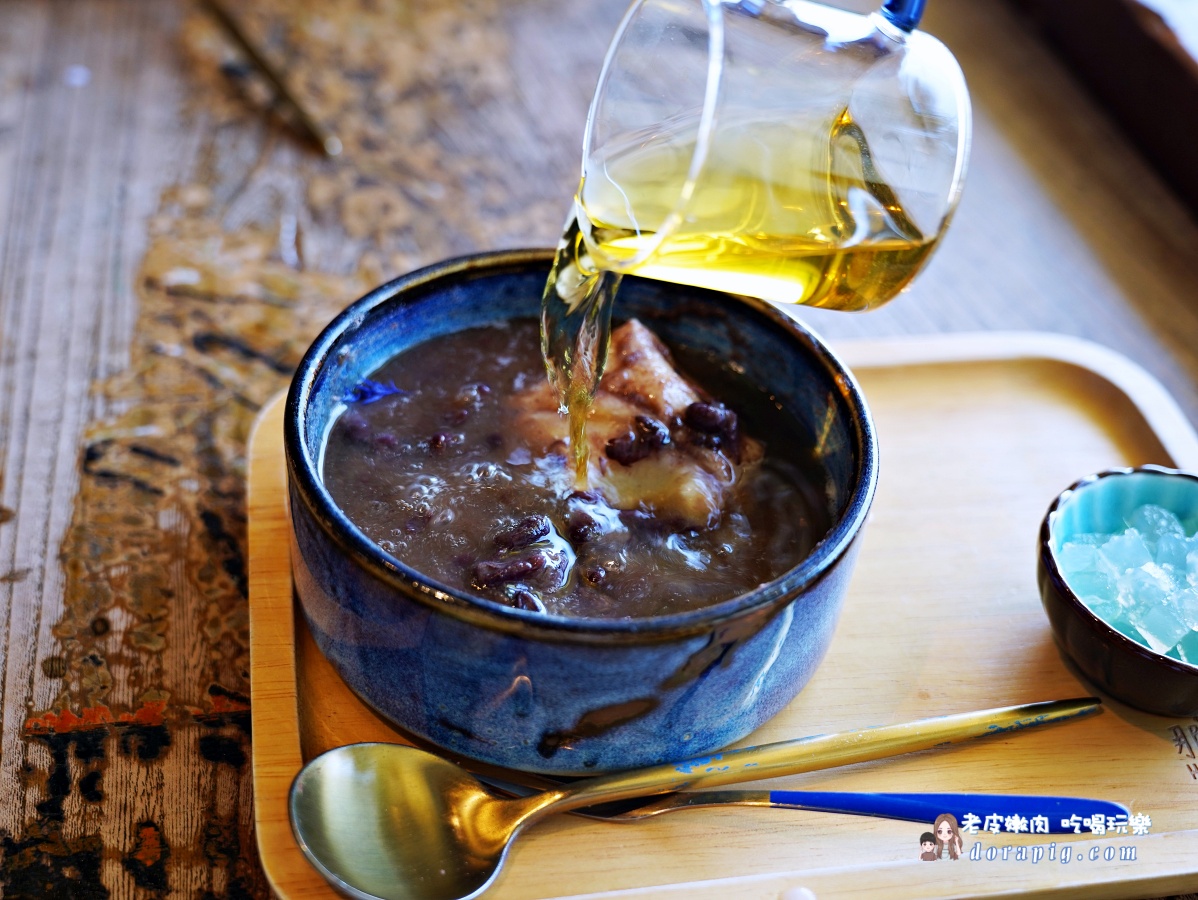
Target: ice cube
{"type": "Point", "coordinates": [1093, 584]}
{"type": "Point", "coordinates": [1086, 571]}
{"type": "Point", "coordinates": [1076, 557]}
{"type": "Point", "coordinates": [1145, 587]}
{"type": "Point", "coordinates": [1127, 629]}
{"type": "Point", "coordinates": [1185, 603]}
{"type": "Point", "coordinates": [1126, 551]}
{"type": "Point", "coordinates": [1166, 577]}
{"type": "Point", "coordinates": [1187, 649]}
{"type": "Point", "coordinates": [1154, 522]}
{"type": "Point", "coordinates": [1106, 608]}
{"type": "Point", "coordinates": [1160, 627]}
{"type": "Point", "coordinates": [1171, 551]}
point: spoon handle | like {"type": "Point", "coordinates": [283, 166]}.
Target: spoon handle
{"type": "Point", "coordinates": [818, 752]}
{"type": "Point", "coordinates": [1033, 813]}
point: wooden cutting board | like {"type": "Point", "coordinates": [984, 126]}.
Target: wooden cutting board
{"type": "Point", "coordinates": [978, 433]}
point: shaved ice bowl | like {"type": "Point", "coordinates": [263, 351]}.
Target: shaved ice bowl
{"type": "Point", "coordinates": [1107, 606]}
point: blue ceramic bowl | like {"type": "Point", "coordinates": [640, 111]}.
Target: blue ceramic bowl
{"type": "Point", "coordinates": [1119, 666]}
{"type": "Point", "coordinates": [539, 693]}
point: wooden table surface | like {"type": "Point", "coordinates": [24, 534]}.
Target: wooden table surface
{"type": "Point", "coordinates": [168, 248]}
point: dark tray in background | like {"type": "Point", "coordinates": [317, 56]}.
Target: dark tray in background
{"type": "Point", "coordinates": [1134, 63]}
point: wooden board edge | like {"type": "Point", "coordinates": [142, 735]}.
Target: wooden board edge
{"type": "Point", "coordinates": [273, 695]}
{"type": "Point", "coordinates": [1171, 873]}
{"type": "Point", "coordinates": [1158, 407]}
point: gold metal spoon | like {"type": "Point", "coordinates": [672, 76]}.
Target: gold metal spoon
{"type": "Point", "coordinates": [389, 822]}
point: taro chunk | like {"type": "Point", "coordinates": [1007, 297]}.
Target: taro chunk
{"type": "Point", "coordinates": [643, 454]}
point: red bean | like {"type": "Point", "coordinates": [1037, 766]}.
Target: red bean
{"type": "Point", "coordinates": [501, 571]}
{"type": "Point", "coordinates": [525, 599]}
{"type": "Point", "coordinates": [710, 418]}
{"type": "Point", "coordinates": [443, 439]}
{"type": "Point", "coordinates": [527, 531]}
{"type": "Point", "coordinates": [647, 435]}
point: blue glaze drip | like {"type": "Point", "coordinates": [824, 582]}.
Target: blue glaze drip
{"type": "Point", "coordinates": [368, 391]}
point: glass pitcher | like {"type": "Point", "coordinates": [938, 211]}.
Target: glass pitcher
{"type": "Point", "coordinates": [786, 150]}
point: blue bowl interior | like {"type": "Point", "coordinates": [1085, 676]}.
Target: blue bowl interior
{"type": "Point", "coordinates": [1103, 504]}
{"type": "Point", "coordinates": [819, 395]}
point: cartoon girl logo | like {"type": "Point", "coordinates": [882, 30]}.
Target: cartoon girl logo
{"type": "Point", "coordinates": [948, 837]}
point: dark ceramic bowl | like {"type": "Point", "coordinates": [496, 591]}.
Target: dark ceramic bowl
{"type": "Point", "coordinates": [540, 693]}
{"type": "Point", "coordinates": [1123, 668]}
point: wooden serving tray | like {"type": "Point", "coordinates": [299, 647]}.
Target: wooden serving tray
{"type": "Point", "coordinates": [978, 433]}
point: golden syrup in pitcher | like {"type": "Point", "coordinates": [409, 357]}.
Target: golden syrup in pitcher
{"type": "Point", "coordinates": [781, 211]}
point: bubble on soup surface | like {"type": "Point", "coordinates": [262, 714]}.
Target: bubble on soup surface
{"type": "Point", "coordinates": [425, 487]}
{"type": "Point", "coordinates": [444, 440]}
{"type": "Point", "coordinates": [472, 394]}
{"type": "Point", "coordinates": [484, 473]}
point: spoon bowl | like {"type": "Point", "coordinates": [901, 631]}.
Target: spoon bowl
{"type": "Point", "coordinates": [390, 822]}
{"type": "Point", "coordinates": [392, 810]}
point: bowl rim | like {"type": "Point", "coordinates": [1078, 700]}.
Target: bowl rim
{"type": "Point", "coordinates": [306, 483]}
{"type": "Point", "coordinates": [1066, 593]}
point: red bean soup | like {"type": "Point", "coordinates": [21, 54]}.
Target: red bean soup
{"type": "Point", "coordinates": [453, 458]}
